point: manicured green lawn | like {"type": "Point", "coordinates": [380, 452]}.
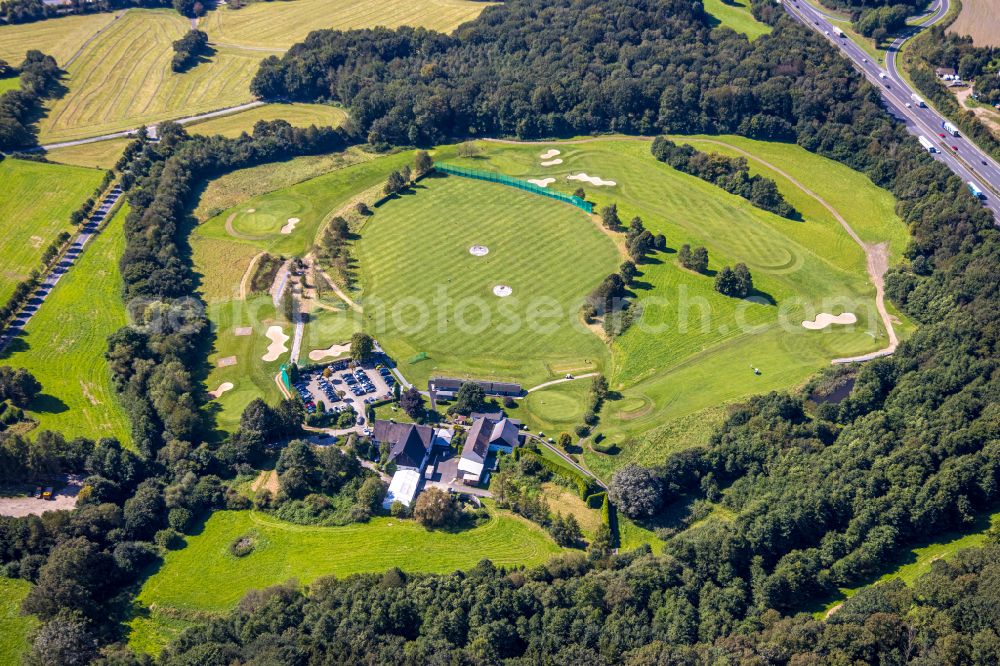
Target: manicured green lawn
{"type": "Point", "coordinates": [64, 343]}
{"type": "Point", "coordinates": [555, 408]}
{"type": "Point", "coordinates": [35, 207]}
{"type": "Point", "coordinates": [204, 577]}
{"type": "Point", "coordinates": [694, 350]}
{"type": "Point", "coordinates": [298, 115]}
{"type": "Point", "coordinates": [14, 627]}
{"type": "Point", "coordinates": [736, 14]}
{"type": "Point", "coordinates": [258, 221]}
{"type": "Point", "coordinates": [425, 292]}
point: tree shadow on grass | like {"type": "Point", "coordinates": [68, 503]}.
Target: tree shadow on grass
{"type": "Point", "coordinates": [48, 404]}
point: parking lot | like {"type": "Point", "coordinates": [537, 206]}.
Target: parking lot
{"type": "Point", "coordinates": [345, 386]}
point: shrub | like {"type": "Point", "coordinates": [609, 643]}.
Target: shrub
{"type": "Point", "coordinates": [243, 545]}
{"type": "Point", "coordinates": [180, 519]}
{"type": "Point", "coordinates": [169, 538]}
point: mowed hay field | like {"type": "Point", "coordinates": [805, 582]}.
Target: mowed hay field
{"type": "Point", "coordinates": [123, 79]}
{"type": "Point", "coordinates": [14, 627]}
{"type": "Point", "coordinates": [99, 154]}
{"type": "Point", "coordinates": [736, 14]}
{"type": "Point", "coordinates": [425, 292]}
{"type": "Point", "coordinates": [298, 115]}
{"type": "Point", "coordinates": [278, 25]}
{"type": "Point", "coordinates": [64, 343]}
{"type": "Point", "coordinates": [204, 577]}
{"type": "Point", "coordinates": [981, 20]}
{"type": "Point", "coordinates": [58, 37]}
{"type": "Point", "coordinates": [35, 207]}
{"type": "Point", "coordinates": [693, 348]}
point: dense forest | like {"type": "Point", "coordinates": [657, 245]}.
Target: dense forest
{"type": "Point", "coordinates": [821, 495]}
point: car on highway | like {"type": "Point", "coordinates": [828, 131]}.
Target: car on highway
{"type": "Point", "coordinates": [955, 148]}
{"type": "Point", "coordinates": [940, 135]}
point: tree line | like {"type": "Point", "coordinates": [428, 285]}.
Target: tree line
{"type": "Point", "coordinates": [21, 107]}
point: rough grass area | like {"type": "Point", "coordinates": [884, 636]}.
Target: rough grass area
{"type": "Point", "coordinates": [981, 20]}
{"type": "Point", "coordinates": [14, 627]}
{"type": "Point", "coordinates": [10, 83]}
{"type": "Point", "coordinates": [736, 14]}
{"type": "Point", "coordinates": [914, 562]}
{"type": "Point", "coordinates": [64, 343]}
{"type": "Point", "coordinates": [123, 79]}
{"type": "Point", "coordinates": [99, 154]}
{"type": "Point", "coordinates": [285, 551]}
{"type": "Point", "coordinates": [424, 291]}
{"type": "Point", "coordinates": [278, 25]}
{"type": "Point", "coordinates": [35, 207]}
{"type": "Point", "coordinates": [230, 189]}
{"type": "Point", "coordinates": [695, 349]}
{"type": "Point", "coordinates": [58, 37]}
{"type": "Point", "coordinates": [298, 115]}
{"type": "Point", "coordinates": [567, 502]}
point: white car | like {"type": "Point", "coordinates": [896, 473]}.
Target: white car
{"type": "Point", "coordinates": [864, 60]}
{"type": "Point", "coordinates": [909, 106]}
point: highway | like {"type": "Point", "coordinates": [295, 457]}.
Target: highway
{"type": "Point", "coordinates": [962, 156]}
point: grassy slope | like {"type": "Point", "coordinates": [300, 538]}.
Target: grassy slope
{"type": "Point", "coordinates": [64, 344]}
{"type": "Point", "coordinates": [416, 249]}
{"type": "Point", "coordinates": [279, 25]}
{"type": "Point", "coordinates": [669, 376]}
{"type": "Point", "coordinates": [298, 115]}
{"type": "Point", "coordinates": [59, 37]}
{"type": "Point", "coordinates": [10, 83]}
{"type": "Point", "coordinates": [306, 553]}
{"type": "Point", "coordinates": [36, 204]}
{"type": "Point", "coordinates": [914, 562]}
{"type": "Point", "coordinates": [736, 15]}
{"type": "Point", "coordinates": [123, 78]}
{"type": "Point", "coordinates": [14, 627]}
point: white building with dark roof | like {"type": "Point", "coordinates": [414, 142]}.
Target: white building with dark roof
{"type": "Point", "coordinates": [486, 436]}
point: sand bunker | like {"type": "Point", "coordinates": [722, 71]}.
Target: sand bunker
{"type": "Point", "coordinates": [334, 350]}
{"type": "Point", "coordinates": [277, 346]}
{"type": "Point", "coordinates": [242, 331]}
{"type": "Point", "coordinates": [502, 290]}
{"type": "Point", "coordinates": [593, 180]}
{"type": "Point", "coordinates": [552, 162]}
{"type": "Point", "coordinates": [287, 229]}
{"type": "Point", "coordinates": [223, 387]}
{"type": "Point", "coordinates": [824, 319]}
{"type": "Point", "coordinates": [226, 361]}
{"type": "Point", "coordinates": [479, 250]}
{"type": "Point", "coordinates": [541, 182]}
{"type": "Point", "coordinates": [549, 154]}
{"type": "Point", "coordinates": [251, 210]}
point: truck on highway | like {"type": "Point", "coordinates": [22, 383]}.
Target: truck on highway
{"type": "Point", "coordinates": [975, 191]}
{"type": "Point", "coordinates": [840, 33]}
{"type": "Point", "coordinates": [926, 143]}
{"type": "Point", "coordinates": [949, 128]}
{"type": "Point", "coordinates": [918, 101]}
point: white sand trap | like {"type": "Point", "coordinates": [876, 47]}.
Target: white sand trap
{"type": "Point", "coordinates": [334, 350]}
{"type": "Point", "coordinates": [593, 180]}
{"type": "Point", "coordinates": [287, 229]}
{"type": "Point", "coordinates": [552, 162]}
{"type": "Point", "coordinates": [479, 250]}
{"type": "Point", "coordinates": [502, 290]}
{"type": "Point", "coordinates": [824, 319]}
{"type": "Point", "coordinates": [277, 346]}
{"type": "Point", "coordinates": [549, 154]}
{"type": "Point", "coordinates": [242, 331]}
{"type": "Point", "coordinates": [223, 387]}
{"type": "Point", "coordinates": [251, 210]}
{"type": "Point", "coordinates": [226, 361]}
{"type": "Point", "coordinates": [541, 182]}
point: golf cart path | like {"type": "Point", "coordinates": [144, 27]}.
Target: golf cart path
{"type": "Point", "coordinates": [560, 381]}
{"type": "Point", "coordinates": [876, 255]}
{"type": "Point", "coordinates": [339, 292]}
{"type": "Point", "coordinates": [251, 267]}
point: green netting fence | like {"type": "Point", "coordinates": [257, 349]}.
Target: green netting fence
{"type": "Point", "coordinates": [284, 376]}
{"type": "Point", "coordinates": [494, 177]}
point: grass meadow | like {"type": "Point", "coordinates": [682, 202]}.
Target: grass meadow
{"type": "Point", "coordinates": [305, 553]}
{"type": "Point", "coordinates": [38, 200]}
{"type": "Point", "coordinates": [123, 79]}
{"type": "Point", "coordinates": [278, 25]}
{"type": "Point", "coordinates": [9, 83]}
{"type": "Point", "coordinates": [297, 115]}
{"type": "Point", "coordinates": [14, 627]}
{"type": "Point", "coordinates": [58, 37]}
{"type": "Point", "coordinates": [64, 343]}
{"type": "Point", "coordinates": [696, 349]}
{"type": "Point", "coordinates": [99, 154]}
{"type": "Point", "coordinates": [736, 14]}
{"type": "Point", "coordinates": [415, 250]}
